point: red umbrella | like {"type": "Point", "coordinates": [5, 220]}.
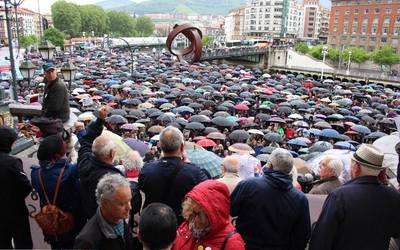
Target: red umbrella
{"type": "Point", "coordinates": [241, 107]}
{"type": "Point", "coordinates": [96, 97]}
{"type": "Point", "coordinates": [205, 143]}
{"type": "Point", "coordinates": [268, 91]}
{"type": "Point", "coordinates": [308, 85]}
{"type": "Point", "coordinates": [199, 138]}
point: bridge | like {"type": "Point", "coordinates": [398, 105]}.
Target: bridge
{"type": "Point", "coordinates": [341, 75]}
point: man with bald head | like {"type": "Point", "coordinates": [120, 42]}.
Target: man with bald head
{"type": "Point", "coordinates": [95, 159]}
{"type": "Point", "coordinates": [169, 179]}
{"type": "Point", "coordinates": [230, 176]}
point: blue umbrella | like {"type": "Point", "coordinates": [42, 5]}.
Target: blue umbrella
{"type": "Point", "coordinates": [361, 129]}
{"type": "Point", "coordinates": [205, 160]}
{"type": "Point", "coordinates": [112, 82]}
{"type": "Point", "coordinates": [375, 135]}
{"type": "Point", "coordinates": [137, 145]}
{"type": "Point", "coordinates": [297, 142]}
{"type": "Point", "coordinates": [160, 101]}
{"type": "Point", "coordinates": [330, 133]}
{"type": "Point", "coordinates": [344, 145]}
{"type": "Point", "coordinates": [107, 96]}
{"type": "Point", "coordinates": [315, 131]}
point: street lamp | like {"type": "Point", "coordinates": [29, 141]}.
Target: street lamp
{"type": "Point", "coordinates": [46, 49]}
{"type": "Point", "coordinates": [348, 64]}
{"type": "Point", "coordinates": [68, 70]}
{"type": "Point", "coordinates": [27, 69]}
{"type": "Point", "coordinates": [324, 53]}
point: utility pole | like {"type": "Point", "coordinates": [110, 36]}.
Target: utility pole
{"type": "Point", "coordinates": [10, 47]}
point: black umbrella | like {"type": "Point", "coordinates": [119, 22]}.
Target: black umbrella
{"type": "Point", "coordinates": [199, 118]}
{"type": "Point", "coordinates": [194, 126]}
{"type": "Point", "coordinates": [166, 118]}
{"type": "Point", "coordinates": [239, 135]}
{"type": "Point", "coordinates": [116, 119]}
{"type": "Point", "coordinates": [263, 117]}
{"type": "Point", "coordinates": [137, 113]}
{"type": "Point", "coordinates": [206, 112]}
{"type": "Point", "coordinates": [120, 112]}
{"type": "Point", "coordinates": [222, 122]}
{"type": "Point", "coordinates": [209, 130]}
{"type": "Point", "coordinates": [273, 137]}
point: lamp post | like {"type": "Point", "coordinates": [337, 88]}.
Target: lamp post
{"type": "Point", "coordinates": [324, 53]}
{"type": "Point", "coordinates": [46, 49]}
{"type": "Point", "coordinates": [27, 69]}
{"type": "Point", "coordinates": [68, 70]}
{"type": "Point", "coordinates": [348, 64]}
{"type": "Point", "coordinates": [15, 4]}
{"type": "Point", "coordinates": [10, 47]}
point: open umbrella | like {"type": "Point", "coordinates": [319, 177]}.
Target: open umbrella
{"type": "Point", "coordinates": [361, 129]}
{"type": "Point", "coordinates": [205, 143]}
{"type": "Point", "coordinates": [344, 145]}
{"type": "Point", "coordinates": [155, 129]}
{"type": "Point", "coordinates": [199, 118]}
{"type": "Point", "coordinates": [222, 122]}
{"type": "Point", "coordinates": [120, 112]}
{"type": "Point", "coordinates": [87, 116]}
{"type": "Point", "coordinates": [241, 148]}
{"type": "Point", "coordinates": [121, 146]}
{"type": "Point", "coordinates": [297, 142]}
{"type": "Point", "coordinates": [116, 119]}
{"type": "Point", "coordinates": [375, 135]}
{"type": "Point", "coordinates": [137, 145]}
{"type": "Point", "coordinates": [239, 135]}
{"type": "Point", "coordinates": [194, 126]}
{"type": "Point", "coordinates": [255, 132]}
{"type": "Point", "coordinates": [216, 136]}
{"type": "Point", "coordinates": [129, 126]}
{"type": "Point", "coordinates": [322, 125]}
{"type": "Point", "coordinates": [273, 137]}
{"type": "Point", "coordinates": [241, 107]}
{"type": "Point", "coordinates": [330, 133]}
{"type": "Point", "coordinates": [205, 160]}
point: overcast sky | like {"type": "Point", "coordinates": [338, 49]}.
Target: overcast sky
{"type": "Point", "coordinates": [45, 4]}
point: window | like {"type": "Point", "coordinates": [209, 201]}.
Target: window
{"type": "Point", "coordinates": [366, 11]}
{"type": "Point", "coordinates": [355, 11]}
{"type": "Point", "coordinates": [377, 10]}
{"type": "Point", "coordinates": [385, 30]}
{"type": "Point", "coordinates": [384, 39]}
{"type": "Point", "coordinates": [388, 11]}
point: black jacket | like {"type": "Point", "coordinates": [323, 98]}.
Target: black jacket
{"type": "Point", "coordinates": [153, 182]}
{"type": "Point", "coordinates": [361, 214]}
{"type": "Point", "coordinates": [56, 101]}
{"type": "Point", "coordinates": [14, 188]}
{"type": "Point", "coordinates": [91, 169]}
{"type": "Point", "coordinates": [95, 236]}
{"type": "Point", "coordinates": [272, 214]}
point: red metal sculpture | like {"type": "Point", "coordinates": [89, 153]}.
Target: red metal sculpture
{"type": "Point", "coordinates": [194, 35]}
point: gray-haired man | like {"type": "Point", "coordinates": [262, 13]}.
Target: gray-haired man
{"type": "Point", "coordinates": [107, 229]}
{"type": "Point", "coordinates": [169, 179]}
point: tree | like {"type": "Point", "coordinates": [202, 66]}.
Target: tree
{"type": "Point", "coordinates": [121, 24]}
{"type": "Point", "coordinates": [358, 55]}
{"type": "Point", "coordinates": [301, 47]}
{"type": "Point", "coordinates": [385, 56]}
{"type": "Point", "coordinates": [93, 18]}
{"type": "Point", "coordinates": [66, 17]}
{"type": "Point", "coordinates": [26, 41]}
{"type": "Point", "coordinates": [144, 26]}
{"type": "Point", "coordinates": [207, 40]}
{"type": "Point", "coordinates": [333, 54]}
{"type": "Point", "coordinates": [316, 52]}
{"type": "Point", "coordinates": [55, 36]}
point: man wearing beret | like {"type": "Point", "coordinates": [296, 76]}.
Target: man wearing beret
{"type": "Point", "coordinates": [361, 214]}
{"type": "Point", "coordinates": [55, 100]}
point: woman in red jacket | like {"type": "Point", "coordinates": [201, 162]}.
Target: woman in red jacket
{"type": "Point", "coordinates": [207, 223]}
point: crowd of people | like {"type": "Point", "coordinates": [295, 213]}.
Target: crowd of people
{"type": "Point", "coordinates": [203, 156]}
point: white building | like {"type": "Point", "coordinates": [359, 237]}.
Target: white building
{"type": "Point", "coordinates": [316, 20]}
{"type": "Point", "coordinates": [273, 18]}
{"type": "Point", "coordinates": [234, 24]}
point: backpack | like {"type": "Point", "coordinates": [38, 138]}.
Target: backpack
{"type": "Point", "coordinates": [51, 219]}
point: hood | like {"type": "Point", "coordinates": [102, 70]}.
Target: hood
{"type": "Point", "coordinates": [213, 197]}
{"type": "Point", "coordinates": [51, 163]}
{"type": "Point", "coordinates": [277, 179]}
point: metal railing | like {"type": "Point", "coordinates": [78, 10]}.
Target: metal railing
{"type": "Point", "coordinates": [218, 53]}
{"type": "Point", "coordinates": [337, 72]}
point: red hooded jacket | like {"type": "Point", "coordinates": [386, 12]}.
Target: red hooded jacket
{"type": "Point", "coordinates": [213, 197]}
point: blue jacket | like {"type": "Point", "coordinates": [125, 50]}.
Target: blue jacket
{"type": "Point", "coordinates": [153, 182]}
{"type": "Point", "coordinates": [361, 214]}
{"type": "Point", "coordinates": [272, 214]}
{"type": "Point", "coordinates": [68, 199]}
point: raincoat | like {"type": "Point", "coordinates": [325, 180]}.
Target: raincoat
{"type": "Point", "coordinates": [213, 197]}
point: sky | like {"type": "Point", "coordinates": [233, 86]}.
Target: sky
{"type": "Point", "coordinates": [45, 4]}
